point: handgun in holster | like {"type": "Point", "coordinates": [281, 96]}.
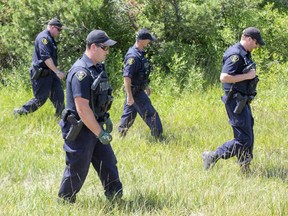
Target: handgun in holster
{"type": "Point", "coordinates": [36, 72]}
{"type": "Point", "coordinates": [241, 101]}
{"type": "Point", "coordinates": [75, 128]}
{"type": "Point", "coordinates": [230, 94]}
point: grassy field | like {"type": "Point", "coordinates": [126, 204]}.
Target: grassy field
{"type": "Point", "coordinates": [159, 178]}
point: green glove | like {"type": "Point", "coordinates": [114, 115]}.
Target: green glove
{"type": "Point", "coordinates": [104, 137]}
{"type": "Point", "coordinates": [109, 125]}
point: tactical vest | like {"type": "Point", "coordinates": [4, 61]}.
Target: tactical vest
{"type": "Point", "coordinates": [101, 94]}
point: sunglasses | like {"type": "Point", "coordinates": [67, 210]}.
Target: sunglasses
{"type": "Point", "coordinates": [256, 42]}
{"type": "Point", "coordinates": [59, 29]}
{"type": "Point", "coordinates": [105, 48]}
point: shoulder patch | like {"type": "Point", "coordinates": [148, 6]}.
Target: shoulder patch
{"type": "Point", "coordinates": [44, 41]}
{"type": "Point", "coordinates": [130, 61]}
{"type": "Point", "coordinates": [234, 58]}
{"type": "Point", "coordinates": [81, 75]}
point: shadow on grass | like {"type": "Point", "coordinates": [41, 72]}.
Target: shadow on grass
{"type": "Point", "coordinates": [274, 172]}
{"type": "Point", "coordinates": [139, 204]}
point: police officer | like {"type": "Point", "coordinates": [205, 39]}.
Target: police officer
{"type": "Point", "coordinates": [239, 83]}
{"type": "Point", "coordinates": [44, 74]}
{"type": "Point", "coordinates": [136, 82]}
{"type": "Point", "coordinates": [89, 98]}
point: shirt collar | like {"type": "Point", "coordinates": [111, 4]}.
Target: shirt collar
{"type": "Point", "coordinates": [87, 60]}
{"type": "Point", "coordinates": [141, 52]}
{"type": "Point", "coordinates": [243, 49]}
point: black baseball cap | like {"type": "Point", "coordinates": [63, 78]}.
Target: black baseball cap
{"type": "Point", "coordinates": [57, 22]}
{"type": "Point", "coordinates": [99, 37]}
{"type": "Point", "coordinates": [254, 33]}
{"type": "Point", "coordinates": [144, 34]}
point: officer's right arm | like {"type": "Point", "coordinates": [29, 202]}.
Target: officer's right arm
{"type": "Point", "coordinates": [50, 64]}
{"type": "Point", "coordinates": [127, 85]}
{"type": "Point", "coordinates": [230, 70]}
{"type": "Point", "coordinates": [45, 54]}
{"type": "Point", "coordinates": [87, 116]}
{"type": "Point", "coordinates": [227, 78]}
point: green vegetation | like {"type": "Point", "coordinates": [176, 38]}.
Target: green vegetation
{"type": "Point", "coordinates": [191, 34]}
{"type": "Point", "coordinates": [159, 178]}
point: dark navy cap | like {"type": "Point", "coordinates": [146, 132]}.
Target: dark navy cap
{"type": "Point", "coordinates": [254, 33]}
{"type": "Point", "coordinates": [99, 37]}
{"type": "Point", "coordinates": [144, 34]}
{"type": "Point", "coordinates": [57, 22]}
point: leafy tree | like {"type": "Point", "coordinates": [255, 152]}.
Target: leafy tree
{"type": "Point", "coordinates": [191, 34]}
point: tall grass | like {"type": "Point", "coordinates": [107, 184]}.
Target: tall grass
{"type": "Point", "coordinates": [159, 178]}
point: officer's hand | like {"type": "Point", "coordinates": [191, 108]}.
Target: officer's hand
{"type": "Point", "coordinates": [60, 74]}
{"type": "Point", "coordinates": [109, 125]}
{"type": "Point", "coordinates": [130, 101]}
{"type": "Point", "coordinates": [105, 138]}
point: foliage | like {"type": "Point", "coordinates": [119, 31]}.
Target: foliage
{"type": "Point", "coordinates": [190, 34]}
{"type": "Point", "coordinates": [159, 178]}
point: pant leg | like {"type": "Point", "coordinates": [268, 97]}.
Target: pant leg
{"type": "Point", "coordinates": [57, 95]}
{"type": "Point", "coordinates": [148, 113]}
{"type": "Point", "coordinates": [78, 157]}
{"type": "Point", "coordinates": [128, 117]}
{"type": "Point", "coordinates": [242, 144]}
{"type": "Point", "coordinates": [104, 162]}
{"type": "Point", "coordinates": [41, 90]}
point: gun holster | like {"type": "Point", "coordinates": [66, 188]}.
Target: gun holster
{"type": "Point", "coordinates": [36, 72]}
{"type": "Point", "coordinates": [229, 95]}
{"type": "Point", "coordinates": [75, 128]}
{"type": "Point", "coordinates": [241, 101]}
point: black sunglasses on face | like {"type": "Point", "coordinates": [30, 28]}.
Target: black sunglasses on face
{"type": "Point", "coordinates": [59, 29]}
{"type": "Point", "coordinates": [256, 42]}
{"type": "Point", "coordinates": [105, 48]}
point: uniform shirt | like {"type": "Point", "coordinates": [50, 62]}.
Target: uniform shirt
{"type": "Point", "coordinates": [79, 80]}
{"type": "Point", "coordinates": [45, 47]}
{"type": "Point", "coordinates": [134, 64]}
{"type": "Point", "coordinates": [235, 59]}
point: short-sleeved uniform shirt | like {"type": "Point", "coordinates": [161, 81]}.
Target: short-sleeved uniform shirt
{"type": "Point", "coordinates": [45, 47]}
{"type": "Point", "coordinates": [235, 59]}
{"type": "Point", "coordinates": [133, 64]}
{"type": "Point", "coordinates": [79, 80]}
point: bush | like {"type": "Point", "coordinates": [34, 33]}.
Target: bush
{"type": "Point", "coordinates": [191, 34]}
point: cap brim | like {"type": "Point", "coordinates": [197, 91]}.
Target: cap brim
{"type": "Point", "coordinates": [261, 42]}
{"type": "Point", "coordinates": [109, 43]}
{"type": "Point", "coordinates": [64, 28]}
{"type": "Point", "coordinates": [153, 38]}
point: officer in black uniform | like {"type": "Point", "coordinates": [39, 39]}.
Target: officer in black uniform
{"type": "Point", "coordinates": [239, 83]}
{"type": "Point", "coordinates": [86, 124]}
{"type": "Point", "coordinates": [136, 81]}
{"type": "Point", "coordinates": [44, 74]}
